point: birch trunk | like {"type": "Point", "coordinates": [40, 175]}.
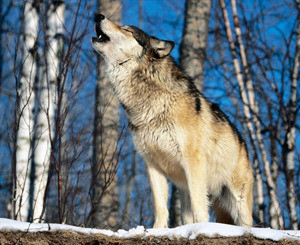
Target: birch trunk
{"type": "Point", "coordinates": [258, 190]}
{"type": "Point", "coordinates": [105, 201]}
{"type": "Point", "coordinates": [193, 45]}
{"type": "Point", "coordinates": [290, 140]}
{"type": "Point", "coordinates": [24, 112]}
{"type": "Point", "coordinates": [276, 219]}
{"type": "Point", "coordinates": [47, 104]}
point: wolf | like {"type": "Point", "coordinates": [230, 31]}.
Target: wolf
{"type": "Point", "coordinates": [179, 133]}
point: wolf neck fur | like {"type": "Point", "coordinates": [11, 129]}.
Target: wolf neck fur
{"type": "Point", "coordinates": [151, 73]}
{"type": "Point", "coordinates": [133, 78]}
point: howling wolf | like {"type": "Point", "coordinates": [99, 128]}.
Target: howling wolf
{"type": "Point", "coordinates": [178, 132]}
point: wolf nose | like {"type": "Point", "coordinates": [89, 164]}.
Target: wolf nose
{"type": "Point", "coordinates": [99, 17]}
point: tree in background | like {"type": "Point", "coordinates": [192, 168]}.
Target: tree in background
{"type": "Point", "coordinates": [260, 79]}
{"type": "Point", "coordinates": [194, 39]}
{"type": "Point", "coordinates": [290, 129]}
{"type": "Point", "coordinates": [253, 74]}
{"type": "Point", "coordinates": [50, 72]}
{"type": "Point", "coordinates": [36, 105]}
{"type": "Point", "coordinates": [24, 111]}
{"type": "Point", "coordinates": [105, 202]}
{"type": "Point", "coordinates": [249, 104]}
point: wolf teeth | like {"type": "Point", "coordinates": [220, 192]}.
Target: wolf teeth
{"type": "Point", "coordinates": [100, 36]}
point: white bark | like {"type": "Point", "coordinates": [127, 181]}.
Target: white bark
{"type": "Point", "coordinates": [47, 106]}
{"type": "Point", "coordinates": [277, 220]}
{"type": "Point", "coordinates": [258, 187]}
{"type": "Point", "coordinates": [25, 109]}
{"type": "Point", "coordinates": [275, 214]}
{"type": "Point", "coordinates": [289, 154]}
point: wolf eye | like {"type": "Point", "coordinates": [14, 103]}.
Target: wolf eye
{"type": "Point", "coordinates": [126, 29]}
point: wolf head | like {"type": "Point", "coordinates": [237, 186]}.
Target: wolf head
{"type": "Point", "coordinates": [119, 44]}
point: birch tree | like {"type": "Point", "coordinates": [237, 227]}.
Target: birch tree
{"type": "Point", "coordinates": [276, 219]}
{"type": "Point", "coordinates": [249, 104]}
{"type": "Point", "coordinates": [25, 106]}
{"type": "Point", "coordinates": [290, 128]}
{"type": "Point", "coordinates": [266, 72]}
{"type": "Point", "coordinates": [105, 203]}
{"type": "Point", "coordinates": [47, 102]}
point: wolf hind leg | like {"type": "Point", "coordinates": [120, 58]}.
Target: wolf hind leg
{"type": "Point", "coordinates": [232, 207]}
{"type": "Point", "coordinates": [243, 202]}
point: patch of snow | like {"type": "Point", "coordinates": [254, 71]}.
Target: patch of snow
{"type": "Point", "coordinates": [190, 231]}
{"type": "Point", "coordinates": [134, 232]}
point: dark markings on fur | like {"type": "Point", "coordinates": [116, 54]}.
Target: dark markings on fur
{"type": "Point", "coordinates": [144, 40]}
{"type": "Point", "coordinates": [224, 189]}
{"type": "Point", "coordinates": [141, 37]}
{"type": "Point", "coordinates": [195, 93]}
{"type": "Point", "coordinates": [132, 127]}
{"type": "Point", "coordinates": [125, 108]}
{"type": "Point", "coordinates": [192, 89]}
{"type": "Point", "coordinates": [198, 104]}
{"type": "Point", "coordinates": [221, 117]}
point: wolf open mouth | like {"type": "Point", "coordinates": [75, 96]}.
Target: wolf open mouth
{"type": "Point", "coordinates": [101, 36]}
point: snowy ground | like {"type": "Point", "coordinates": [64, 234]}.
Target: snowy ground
{"type": "Point", "coordinates": [190, 231]}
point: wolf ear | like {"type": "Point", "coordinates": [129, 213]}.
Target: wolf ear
{"type": "Point", "coordinates": [160, 47]}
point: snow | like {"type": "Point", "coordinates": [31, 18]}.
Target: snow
{"type": "Point", "coordinates": [190, 231]}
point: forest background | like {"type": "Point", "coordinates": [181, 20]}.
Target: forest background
{"type": "Point", "coordinates": [66, 155]}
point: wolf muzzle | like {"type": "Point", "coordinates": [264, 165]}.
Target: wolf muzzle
{"type": "Point", "coordinates": [101, 36]}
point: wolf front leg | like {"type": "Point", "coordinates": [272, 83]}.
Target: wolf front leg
{"type": "Point", "coordinates": [195, 171]}
{"type": "Point", "coordinates": [159, 187]}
